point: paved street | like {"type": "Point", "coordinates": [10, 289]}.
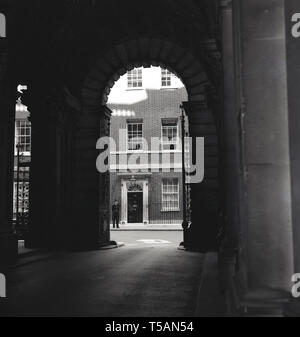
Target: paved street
{"type": "Point", "coordinates": [146, 238]}
{"type": "Point", "coordinates": [148, 276]}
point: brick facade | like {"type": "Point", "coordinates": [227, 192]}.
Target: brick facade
{"type": "Point", "coordinates": [154, 104]}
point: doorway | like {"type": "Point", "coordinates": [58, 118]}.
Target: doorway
{"type": "Point", "coordinates": [135, 207]}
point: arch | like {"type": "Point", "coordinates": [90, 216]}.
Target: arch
{"type": "Point", "coordinates": [144, 52]}
{"type": "Point", "coordinates": [135, 188]}
{"type": "Point", "coordinates": [99, 80]}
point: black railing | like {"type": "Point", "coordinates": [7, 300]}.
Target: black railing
{"type": "Point", "coordinates": [21, 225]}
{"type": "Point", "coordinates": [21, 207]}
{"type": "Point", "coordinates": [165, 213]}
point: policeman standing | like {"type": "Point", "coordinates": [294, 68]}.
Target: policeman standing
{"type": "Point", "coordinates": [116, 213]}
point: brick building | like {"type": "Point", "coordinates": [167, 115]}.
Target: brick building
{"type": "Point", "coordinates": [21, 164]}
{"type": "Point", "coordinates": [145, 122]}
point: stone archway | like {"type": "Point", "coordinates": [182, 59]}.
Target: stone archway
{"type": "Point", "coordinates": [144, 52]}
{"type": "Point", "coordinates": [90, 223]}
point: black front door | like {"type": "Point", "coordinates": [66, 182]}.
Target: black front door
{"type": "Point", "coordinates": [135, 207]}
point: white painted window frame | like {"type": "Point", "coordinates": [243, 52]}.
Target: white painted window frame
{"type": "Point", "coordinates": [127, 136]}
{"type": "Point", "coordinates": [170, 209]}
{"type": "Point", "coordinates": [165, 78]}
{"type": "Point", "coordinates": [17, 135]}
{"type": "Point", "coordinates": [135, 76]}
{"type": "Point", "coordinates": [166, 143]}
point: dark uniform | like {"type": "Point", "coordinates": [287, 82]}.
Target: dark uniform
{"type": "Point", "coordinates": [115, 214]}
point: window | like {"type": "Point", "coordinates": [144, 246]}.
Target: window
{"type": "Point", "coordinates": [23, 196]}
{"type": "Point", "coordinates": [169, 134]}
{"type": "Point", "coordinates": [166, 76]}
{"type": "Point", "coordinates": [23, 136]}
{"type": "Point", "coordinates": [170, 195]}
{"type": "Point", "coordinates": [134, 78]}
{"type": "Point", "coordinates": [134, 136]}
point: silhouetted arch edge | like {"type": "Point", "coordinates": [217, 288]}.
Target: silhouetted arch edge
{"type": "Point", "coordinates": [145, 52]}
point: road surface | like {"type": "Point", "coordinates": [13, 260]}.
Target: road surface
{"type": "Point", "coordinates": [148, 277]}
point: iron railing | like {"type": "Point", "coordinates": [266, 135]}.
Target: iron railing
{"type": "Point", "coordinates": [165, 213]}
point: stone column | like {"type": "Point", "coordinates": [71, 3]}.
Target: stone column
{"type": "Point", "coordinates": [54, 166]}
{"type": "Point", "coordinates": [205, 195]}
{"type": "Point", "coordinates": [90, 204]}
{"type": "Point", "coordinates": [39, 169]}
{"type": "Point", "coordinates": [229, 245]}
{"type": "Point", "coordinates": [8, 241]}
{"type": "Point", "coordinates": [67, 135]}
{"type": "Point", "coordinates": [47, 166]}
{"type": "Point", "coordinates": [267, 197]}
{"type": "Point", "coordinates": [293, 68]}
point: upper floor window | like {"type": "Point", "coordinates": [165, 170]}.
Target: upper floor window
{"type": "Point", "coordinates": [135, 78]}
{"type": "Point", "coordinates": [166, 76]}
{"type": "Point", "coordinates": [23, 136]}
{"type": "Point", "coordinates": [134, 136]}
{"type": "Point", "coordinates": [169, 133]}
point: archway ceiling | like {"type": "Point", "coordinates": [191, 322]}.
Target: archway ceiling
{"type": "Point", "coordinates": [65, 39]}
{"type": "Point", "coordinates": [143, 52]}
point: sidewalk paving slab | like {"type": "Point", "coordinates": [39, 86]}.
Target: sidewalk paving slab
{"type": "Point", "coordinates": [210, 300]}
{"type": "Point", "coordinates": [149, 227]}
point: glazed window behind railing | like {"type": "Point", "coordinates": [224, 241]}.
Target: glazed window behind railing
{"type": "Point", "coordinates": [164, 213]}
{"type": "Point", "coordinates": [170, 194]}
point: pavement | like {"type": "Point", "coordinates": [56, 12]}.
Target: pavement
{"type": "Point", "coordinates": [147, 277]}
{"type": "Point", "coordinates": [22, 250]}
{"type": "Point", "coordinates": [148, 227]}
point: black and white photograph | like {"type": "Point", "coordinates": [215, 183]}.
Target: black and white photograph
{"type": "Point", "coordinates": [149, 161]}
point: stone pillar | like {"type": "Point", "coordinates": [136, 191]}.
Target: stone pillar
{"type": "Point", "coordinates": [90, 204]}
{"type": "Point", "coordinates": [205, 195]}
{"type": "Point", "coordinates": [67, 135]}
{"type": "Point", "coordinates": [267, 197]}
{"type": "Point", "coordinates": [8, 241]}
{"type": "Point", "coordinates": [40, 169]}
{"type": "Point", "coordinates": [55, 165]}
{"type": "Point", "coordinates": [293, 68]}
{"type": "Point", "coordinates": [229, 125]}
{"type": "Point", "coordinates": [48, 166]}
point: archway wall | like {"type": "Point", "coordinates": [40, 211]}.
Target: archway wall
{"type": "Point", "coordinates": [8, 240]}
{"type": "Point", "coordinates": [96, 88]}
{"type": "Point", "coordinates": [90, 189]}
{"type": "Point", "coordinates": [170, 34]}
{"type": "Point", "coordinates": [144, 52]}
